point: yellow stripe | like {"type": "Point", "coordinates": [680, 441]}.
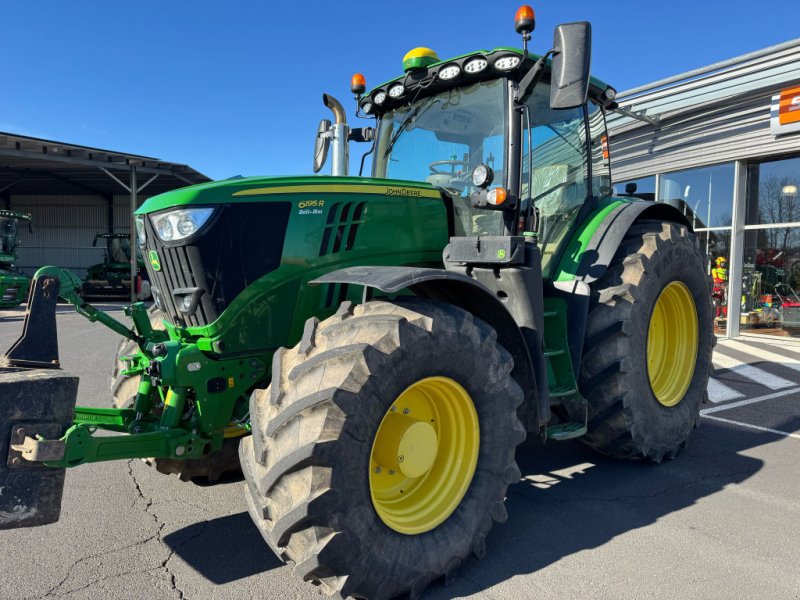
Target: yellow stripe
{"type": "Point", "coordinates": [385, 190]}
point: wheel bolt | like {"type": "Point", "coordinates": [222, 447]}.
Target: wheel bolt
{"type": "Point", "coordinates": [394, 409]}
{"type": "Point", "coordinates": [406, 411]}
{"type": "Point", "coordinates": [391, 472]}
{"type": "Point", "coordinates": [377, 469]}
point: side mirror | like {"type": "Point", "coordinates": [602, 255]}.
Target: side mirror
{"type": "Point", "coordinates": [572, 45]}
{"type": "Point", "coordinates": [321, 144]}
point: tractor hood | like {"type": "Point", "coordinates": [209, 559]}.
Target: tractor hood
{"type": "Point", "coordinates": [260, 189]}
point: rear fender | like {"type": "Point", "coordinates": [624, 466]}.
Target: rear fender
{"type": "Point", "coordinates": [591, 250]}
{"type": "Point", "coordinates": [458, 290]}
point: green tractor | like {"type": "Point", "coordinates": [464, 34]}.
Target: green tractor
{"type": "Point", "coordinates": [377, 347]}
{"type": "Point", "coordinates": [111, 279]}
{"type": "Point", "coordinates": [13, 283]}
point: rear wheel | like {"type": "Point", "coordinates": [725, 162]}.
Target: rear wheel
{"type": "Point", "coordinates": [382, 451]}
{"type": "Point", "coordinates": [649, 338]}
{"type": "Point", "coordinates": [209, 468]}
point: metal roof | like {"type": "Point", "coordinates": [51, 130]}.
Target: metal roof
{"type": "Point", "coordinates": [36, 166]}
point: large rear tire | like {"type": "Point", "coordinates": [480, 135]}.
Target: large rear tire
{"type": "Point", "coordinates": [649, 339]}
{"type": "Point", "coordinates": [320, 462]}
{"type": "Point", "coordinates": [209, 468]}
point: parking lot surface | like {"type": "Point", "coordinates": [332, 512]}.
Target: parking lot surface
{"type": "Point", "coordinates": [719, 521]}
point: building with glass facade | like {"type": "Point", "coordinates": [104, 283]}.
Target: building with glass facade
{"type": "Point", "coordinates": [722, 144]}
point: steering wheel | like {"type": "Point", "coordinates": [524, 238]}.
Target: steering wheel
{"type": "Point", "coordinates": [450, 163]}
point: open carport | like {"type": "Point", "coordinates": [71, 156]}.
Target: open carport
{"type": "Point", "coordinates": [73, 192]}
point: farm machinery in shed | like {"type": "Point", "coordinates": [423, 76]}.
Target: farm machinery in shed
{"type": "Point", "coordinates": [111, 279]}
{"type": "Point", "coordinates": [375, 348]}
{"type": "Point", "coordinates": [13, 283]}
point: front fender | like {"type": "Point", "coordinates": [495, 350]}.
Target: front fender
{"type": "Point", "coordinates": [458, 290]}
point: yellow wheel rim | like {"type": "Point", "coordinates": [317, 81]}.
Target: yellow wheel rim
{"type": "Point", "coordinates": [424, 455]}
{"type": "Point", "coordinates": [672, 343]}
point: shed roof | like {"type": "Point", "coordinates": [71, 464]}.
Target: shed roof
{"type": "Point", "coordinates": [31, 165]}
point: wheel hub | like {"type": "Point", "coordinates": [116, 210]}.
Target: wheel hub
{"type": "Point", "coordinates": [672, 340]}
{"type": "Point", "coordinates": [424, 455]}
{"type": "Point", "coordinates": [405, 444]}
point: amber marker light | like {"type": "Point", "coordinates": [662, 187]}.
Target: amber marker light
{"type": "Point", "coordinates": [497, 196]}
{"type": "Point", "coordinates": [358, 85]}
{"type": "Point", "coordinates": [525, 20]}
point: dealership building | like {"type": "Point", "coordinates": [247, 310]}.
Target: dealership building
{"type": "Point", "coordinates": [722, 143]}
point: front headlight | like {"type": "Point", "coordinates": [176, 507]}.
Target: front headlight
{"type": "Point", "coordinates": [179, 224]}
{"type": "Point", "coordinates": [140, 235]}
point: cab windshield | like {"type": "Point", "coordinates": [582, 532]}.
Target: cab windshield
{"type": "Point", "coordinates": [441, 139]}
{"type": "Point", "coordinates": [8, 235]}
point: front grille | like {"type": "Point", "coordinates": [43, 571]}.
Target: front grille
{"type": "Point", "coordinates": [241, 243]}
{"type": "Point", "coordinates": [10, 294]}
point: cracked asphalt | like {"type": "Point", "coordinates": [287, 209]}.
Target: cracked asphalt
{"type": "Point", "coordinates": [720, 521]}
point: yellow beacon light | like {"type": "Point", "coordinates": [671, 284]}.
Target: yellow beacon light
{"type": "Point", "coordinates": [419, 58]}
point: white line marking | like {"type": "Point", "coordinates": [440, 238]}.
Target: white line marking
{"type": "Point", "coordinates": [764, 355]}
{"type": "Point", "coordinates": [751, 426]}
{"type": "Point", "coordinates": [714, 409]}
{"type": "Point", "coordinates": [760, 376]}
{"type": "Point", "coordinates": [719, 392]}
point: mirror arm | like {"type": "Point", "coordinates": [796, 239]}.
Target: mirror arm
{"type": "Point", "coordinates": [532, 78]}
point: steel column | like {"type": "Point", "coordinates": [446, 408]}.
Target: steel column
{"type": "Point", "coordinates": [737, 249]}
{"type": "Point", "coordinates": [134, 266]}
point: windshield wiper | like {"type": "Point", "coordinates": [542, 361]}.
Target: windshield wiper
{"type": "Point", "coordinates": [406, 122]}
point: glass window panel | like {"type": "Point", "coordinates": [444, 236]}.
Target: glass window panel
{"type": "Point", "coordinates": [704, 195]}
{"type": "Point", "coordinates": [644, 188]}
{"type": "Point", "coordinates": [714, 244]}
{"type": "Point", "coordinates": [772, 192]}
{"type": "Point", "coordinates": [771, 280]}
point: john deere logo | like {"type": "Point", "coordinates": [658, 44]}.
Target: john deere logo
{"type": "Point", "coordinates": [154, 262]}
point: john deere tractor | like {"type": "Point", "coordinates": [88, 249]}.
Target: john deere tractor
{"type": "Point", "coordinates": [377, 347]}
{"type": "Point", "coordinates": [13, 283]}
{"type": "Point", "coordinates": [111, 279]}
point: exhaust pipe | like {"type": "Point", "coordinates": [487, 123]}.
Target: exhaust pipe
{"type": "Point", "coordinates": [340, 157]}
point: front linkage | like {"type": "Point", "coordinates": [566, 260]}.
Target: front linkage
{"type": "Point", "coordinates": [184, 404]}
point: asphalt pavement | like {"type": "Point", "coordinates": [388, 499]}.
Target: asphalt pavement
{"type": "Point", "coordinates": [719, 521]}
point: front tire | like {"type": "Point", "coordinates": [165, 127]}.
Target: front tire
{"type": "Point", "coordinates": [649, 339]}
{"type": "Point", "coordinates": [310, 465]}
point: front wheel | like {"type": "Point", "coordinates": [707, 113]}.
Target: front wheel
{"type": "Point", "coordinates": [649, 339]}
{"type": "Point", "coordinates": [382, 450]}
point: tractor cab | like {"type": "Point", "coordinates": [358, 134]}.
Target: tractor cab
{"type": "Point", "coordinates": [111, 279]}
{"type": "Point", "coordinates": [118, 248]}
{"type": "Point", "coordinates": [13, 284]}
{"type": "Point", "coordinates": [513, 150]}
{"type": "Point", "coordinates": [9, 228]}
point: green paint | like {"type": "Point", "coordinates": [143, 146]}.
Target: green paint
{"type": "Point", "coordinates": [418, 62]}
{"type": "Point", "coordinates": [579, 241]}
{"type": "Point", "coordinates": [219, 192]}
{"type": "Point", "coordinates": [154, 261]}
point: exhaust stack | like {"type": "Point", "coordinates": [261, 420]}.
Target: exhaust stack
{"type": "Point", "coordinates": [339, 132]}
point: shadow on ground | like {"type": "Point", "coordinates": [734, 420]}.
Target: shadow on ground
{"type": "Point", "coordinates": [569, 500]}
{"type": "Point", "coordinates": [238, 552]}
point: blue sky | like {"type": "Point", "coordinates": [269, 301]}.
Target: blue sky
{"type": "Point", "coordinates": [235, 87]}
